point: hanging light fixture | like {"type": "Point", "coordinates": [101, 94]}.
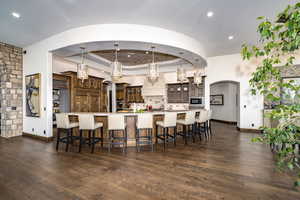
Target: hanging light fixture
{"type": "Point", "coordinates": [199, 73]}
{"type": "Point", "coordinates": [181, 74]}
{"type": "Point", "coordinates": [82, 69]}
{"type": "Point", "coordinates": [153, 69]}
{"type": "Point", "coordinates": [198, 77]}
{"type": "Point", "coordinates": [116, 73]}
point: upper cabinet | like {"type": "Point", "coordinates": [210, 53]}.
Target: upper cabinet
{"type": "Point", "coordinates": [134, 94]}
{"type": "Point", "coordinates": [178, 93]}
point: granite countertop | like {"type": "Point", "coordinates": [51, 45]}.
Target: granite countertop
{"type": "Point", "coordinates": [130, 113]}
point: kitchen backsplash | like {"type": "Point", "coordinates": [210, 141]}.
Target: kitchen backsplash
{"type": "Point", "coordinates": [160, 102]}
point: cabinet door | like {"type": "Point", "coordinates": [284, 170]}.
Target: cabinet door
{"type": "Point", "coordinates": [94, 103]}
{"type": "Point", "coordinates": [185, 93]}
{"type": "Point", "coordinates": [81, 103]}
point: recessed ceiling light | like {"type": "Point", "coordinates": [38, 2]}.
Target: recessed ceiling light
{"type": "Point", "coordinates": [128, 55]}
{"type": "Point", "coordinates": [15, 15]}
{"type": "Point", "coordinates": [231, 37]}
{"type": "Point", "coordinates": [210, 14]}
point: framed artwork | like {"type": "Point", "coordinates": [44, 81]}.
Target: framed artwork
{"type": "Point", "coordinates": [289, 96]}
{"type": "Point", "coordinates": [217, 99]}
{"type": "Point", "coordinates": [33, 95]}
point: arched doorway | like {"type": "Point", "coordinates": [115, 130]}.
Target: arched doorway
{"type": "Point", "coordinates": [225, 101]}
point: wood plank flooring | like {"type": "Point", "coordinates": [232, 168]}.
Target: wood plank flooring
{"type": "Point", "coordinates": [228, 166]}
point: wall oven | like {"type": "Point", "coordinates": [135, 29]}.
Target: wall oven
{"type": "Point", "coordinates": [196, 101]}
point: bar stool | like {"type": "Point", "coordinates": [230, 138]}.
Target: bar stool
{"type": "Point", "coordinates": [201, 123]}
{"type": "Point", "coordinates": [169, 122]}
{"type": "Point", "coordinates": [144, 122]}
{"type": "Point", "coordinates": [209, 114]}
{"type": "Point", "coordinates": [87, 123]}
{"type": "Point", "coordinates": [116, 122]}
{"type": "Point", "coordinates": [63, 123]}
{"type": "Point", "coordinates": [187, 123]}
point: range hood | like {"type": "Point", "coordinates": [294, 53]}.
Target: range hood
{"type": "Point", "coordinates": [156, 89]}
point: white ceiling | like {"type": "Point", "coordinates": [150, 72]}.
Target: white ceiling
{"type": "Point", "coordinates": [43, 18]}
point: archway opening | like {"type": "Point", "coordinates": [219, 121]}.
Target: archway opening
{"type": "Point", "coordinates": [225, 101]}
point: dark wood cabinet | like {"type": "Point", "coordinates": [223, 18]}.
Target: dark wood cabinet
{"type": "Point", "coordinates": [178, 93]}
{"type": "Point", "coordinates": [85, 95]}
{"type": "Point", "coordinates": [134, 94]}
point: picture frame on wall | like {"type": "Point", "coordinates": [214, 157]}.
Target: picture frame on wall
{"type": "Point", "coordinates": [33, 95]}
{"type": "Point", "coordinates": [217, 99]}
{"type": "Point", "coordinates": [289, 96]}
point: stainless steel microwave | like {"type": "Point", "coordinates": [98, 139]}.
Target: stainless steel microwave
{"type": "Point", "coordinates": [196, 101]}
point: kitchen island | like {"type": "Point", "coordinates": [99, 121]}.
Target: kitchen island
{"type": "Point", "coordinates": [130, 120]}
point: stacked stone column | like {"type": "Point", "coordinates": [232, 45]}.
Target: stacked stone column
{"type": "Point", "coordinates": [11, 90]}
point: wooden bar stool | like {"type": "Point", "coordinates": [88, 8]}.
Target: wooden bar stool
{"type": "Point", "coordinates": [116, 123]}
{"type": "Point", "coordinates": [169, 122]}
{"type": "Point", "coordinates": [87, 123]}
{"type": "Point", "coordinates": [209, 115]}
{"type": "Point", "coordinates": [64, 124]}
{"type": "Point", "coordinates": [188, 126]}
{"type": "Point", "coordinates": [201, 123]}
{"type": "Point", "coordinates": [144, 122]}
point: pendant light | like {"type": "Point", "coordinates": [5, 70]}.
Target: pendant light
{"type": "Point", "coordinates": [181, 73]}
{"type": "Point", "coordinates": [153, 69]}
{"type": "Point", "coordinates": [82, 69]}
{"type": "Point", "coordinates": [198, 77]}
{"type": "Point", "coordinates": [116, 73]}
{"type": "Point", "coordinates": [199, 73]}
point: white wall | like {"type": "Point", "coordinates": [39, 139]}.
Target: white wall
{"type": "Point", "coordinates": [228, 111]}
{"type": "Point", "coordinates": [233, 68]}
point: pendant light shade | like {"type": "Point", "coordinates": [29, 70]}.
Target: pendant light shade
{"type": "Point", "coordinates": [116, 73]}
{"type": "Point", "coordinates": [198, 77]}
{"type": "Point", "coordinates": [153, 70]}
{"type": "Point", "coordinates": [200, 72]}
{"type": "Point", "coordinates": [82, 69]}
{"type": "Point", "coordinates": [181, 74]}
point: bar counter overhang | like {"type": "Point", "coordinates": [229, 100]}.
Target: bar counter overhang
{"type": "Point", "coordinates": [130, 121]}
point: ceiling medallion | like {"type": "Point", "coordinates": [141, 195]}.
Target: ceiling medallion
{"type": "Point", "coordinates": [153, 69]}
{"type": "Point", "coordinates": [116, 73]}
{"type": "Point", "coordinates": [82, 69]}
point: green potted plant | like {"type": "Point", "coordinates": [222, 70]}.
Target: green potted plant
{"type": "Point", "coordinates": [278, 46]}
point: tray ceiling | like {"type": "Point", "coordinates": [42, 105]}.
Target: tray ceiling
{"type": "Point", "coordinates": [134, 57]}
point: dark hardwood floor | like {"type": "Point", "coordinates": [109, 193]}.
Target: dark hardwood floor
{"type": "Point", "coordinates": [228, 166]}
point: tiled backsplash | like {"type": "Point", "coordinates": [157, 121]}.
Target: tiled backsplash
{"type": "Point", "coordinates": [159, 102]}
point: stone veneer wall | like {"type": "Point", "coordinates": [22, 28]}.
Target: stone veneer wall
{"type": "Point", "coordinates": [293, 71]}
{"type": "Point", "coordinates": [11, 90]}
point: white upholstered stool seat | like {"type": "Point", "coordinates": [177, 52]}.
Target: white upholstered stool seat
{"type": "Point", "coordinates": [202, 122]}
{"type": "Point", "coordinates": [117, 125]}
{"type": "Point", "coordinates": [144, 123]}
{"type": "Point", "coordinates": [183, 122]}
{"type": "Point", "coordinates": [73, 125]}
{"type": "Point", "coordinates": [187, 123]}
{"type": "Point", "coordinates": [98, 125]}
{"type": "Point", "coordinates": [160, 123]}
{"type": "Point", "coordinates": [63, 124]}
{"type": "Point", "coordinates": [168, 122]}
{"type": "Point", "coordinates": [87, 123]}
